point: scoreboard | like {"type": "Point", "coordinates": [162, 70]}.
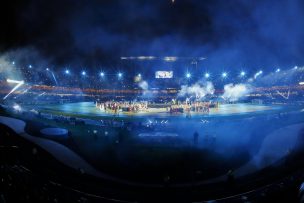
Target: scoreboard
{"type": "Point", "coordinates": [164, 74]}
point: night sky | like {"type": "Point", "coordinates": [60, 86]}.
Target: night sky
{"type": "Point", "coordinates": [231, 34]}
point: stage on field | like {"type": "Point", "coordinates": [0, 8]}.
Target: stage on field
{"type": "Point", "coordinates": [90, 109]}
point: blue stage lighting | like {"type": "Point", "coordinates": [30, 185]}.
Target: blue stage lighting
{"type": "Point", "coordinates": [242, 74]}
{"type": "Point", "coordinates": [83, 73]}
{"type": "Point", "coordinates": [67, 71]}
{"type": "Point", "coordinates": [188, 75]}
{"type": "Point", "coordinates": [207, 75]}
{"type": "Point", "coordinates": [224, 75]}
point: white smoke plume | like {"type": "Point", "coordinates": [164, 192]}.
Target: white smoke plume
{"type": "Point", "coordinates": [198, 90]}
{"type": "Point", "coordinates": [235, 92]}
{"type": "Point", "coordinates": [12, 61]}
{"type": "Point", "coordinates": [143, 85]}
{"type": "Point", "coordinates": [7, 69]}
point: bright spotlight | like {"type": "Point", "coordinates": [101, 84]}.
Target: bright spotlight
{"type": "Point", "coordinates": [30, 66]}
{"type": "Point", "coordinates": [296, 67]}
{"type": "Point", "coordinates": [15, 81]}
{"type": "Point", "coordinates": [13, 62]}
{"type": "Point", "coordinates": [47, 69]}
{"type": "Point", "coordinates": [224, 75]}
{"type": "Point", "coordinates": [119, 75]}
{"type": "Point", "coordinates": [102, 74]}
{"type": "Point", "coordinates": [139, 75]}
{"type": "Point", "coordinates": [83, 73]}
{"type": "Point", "coordinates": [67, 71]}
{"type": "Point", "coordinates": [207, 75]}
{"type": "Point", "coordinates": [170, 58]}
{"type": "Point", "coordinates": [16, 107]}
{"type": "Point", "coordinates": [188, 75]}
{"type": "Point", "coordinates": [242, 74]}
{"type": "Point", "coordinates": [19, 83]}
{"type": "Point", "coordinates": [278, 70]}
{"type": "Point", "coordinates": [142, 57]}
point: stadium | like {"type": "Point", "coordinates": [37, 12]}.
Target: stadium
{"type": "Point", "coordinates": [161, 127]}
{"type": "Point", "coordinates": [139, 135]}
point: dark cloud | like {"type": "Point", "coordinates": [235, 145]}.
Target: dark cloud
{"type": "Point", "coordinates": [232, 34]}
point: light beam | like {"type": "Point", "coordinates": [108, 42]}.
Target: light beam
{"type": "Point", "coordinates": [19, 83]}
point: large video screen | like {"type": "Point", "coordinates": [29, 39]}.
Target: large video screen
{"type": "Point", "coordinates": [164, 74]}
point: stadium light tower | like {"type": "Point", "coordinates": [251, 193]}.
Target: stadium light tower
{"type": "Point", "coordinates": [207, 75]}
{"type": "Point", "coordinates": [242, 74]}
